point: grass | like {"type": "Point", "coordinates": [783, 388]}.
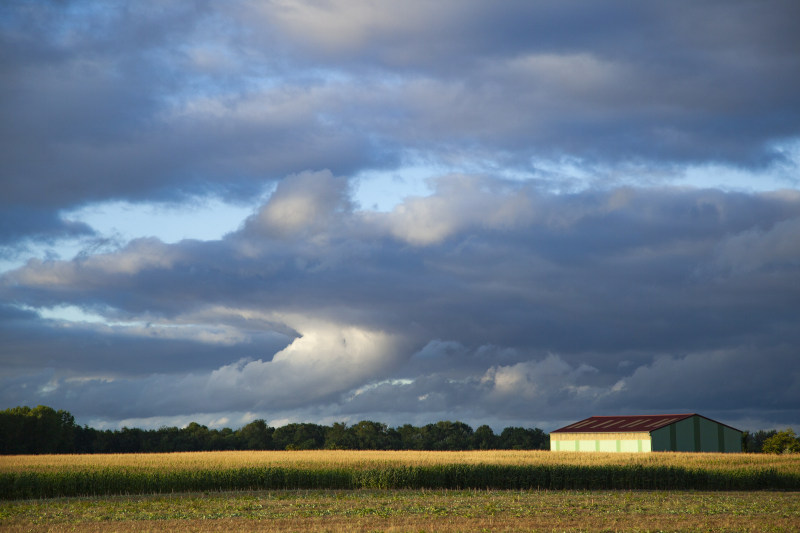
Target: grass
{"type": "Point", "coordinates": [411, 510]}
{"type": "Point", "coordinates": [399, 491]}
{"type": "Point", "coordinates": [49, 476]}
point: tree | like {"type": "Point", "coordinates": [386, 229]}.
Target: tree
{"type": "Point", "coordinates": [256, 436]}
{"type": "Point", "coordinates": [411, 437]}
{"type": "Point", "coordinates": [754, 442]}
{"type": "Point", "coordinates": [38, 430]}
{"type": "Point", "coordinates": [516, 438]}
{"type": "Point", "coordinates": [199, 437]}
{"type": "Point", "coordinates": [25, 430]}
{"type": "Point", "coordinates": [454, 435]}
{"type": "Point", "coordinates": [484, 438]}
{"type": "Point", "coordinates": [369, 435]}
{"type": "Point", "coordinates": [299, 437]}
{"type": "Point", "coordinates": [782, 442]}
{"type": "Point", "coordinates": [337, 437]}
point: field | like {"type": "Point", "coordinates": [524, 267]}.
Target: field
{"type": "Point", "coordinates": [49, 476]}
{"type": "Point", "coordinates": [412, 510]}
{"type": "Point", "coordinates": [400, 491]}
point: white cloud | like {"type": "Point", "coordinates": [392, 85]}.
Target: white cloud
{"type": "Point", "coordinates": [459, 203]}
{"type": "Point", "coordinates": [536, 379]}
{"type": "Point", "coordinates": [138, 255]}
{"type": "Point", "coordinates": [303, 204]}
{"type": "Point", "coordinates": [325, 359]}
{"type": "Point", "coordinates": [337, 26]}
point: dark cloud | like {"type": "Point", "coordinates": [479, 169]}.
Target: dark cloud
{"type": "Point", "coordinates": [610, 81]}
{"type": "Point", "coordinates": [486, 300]}
{"type": "Point", "coordinates": [152, 102]}
{"type": "Point", "coordinates": [491, 300]}
{"type": "Point", "coordinates": [18, 224]}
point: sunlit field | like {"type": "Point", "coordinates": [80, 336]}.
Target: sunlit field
{"type": "Point", "coordinates": [400, 491]}
{"type": "Point", "coordinates": [47, 476]}
{"type": "Point", "coordinates": [367, 459]}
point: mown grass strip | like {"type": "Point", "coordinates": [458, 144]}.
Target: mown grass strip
{"type": "Point", "coordinates": [111, 481]}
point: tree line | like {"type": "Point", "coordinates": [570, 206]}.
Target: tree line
{"type": "Point", "coordinates": [42, 429]}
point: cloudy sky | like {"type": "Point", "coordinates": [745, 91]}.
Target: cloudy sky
{"type": "Point", "coordinates": [511, 213]}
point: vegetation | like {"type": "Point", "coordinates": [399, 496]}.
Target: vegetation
{"type": "Point", "coordinates": [43, 430]}
{"type": "Point", "coordinates": [753, 442]}
{"type": "Point", "coordinates": [24, 430]}
{"type": "Point", "coordinates": [48, 476]}
{"type": "Point", "coordinates": [413, 510]}
{"type": "Point", "coordinates": [782, 442]}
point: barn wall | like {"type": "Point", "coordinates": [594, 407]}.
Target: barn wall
{"type": "Point", "coordinates": [696, 434]}
{"type": "Point", "coordinates": [684, 440]}
{"type": "Point", "coordinates": [661, 439]}
{"type": "Point", "coordinates": [732, 439]}
{"type": "Point", "coordinates": [600, 442]}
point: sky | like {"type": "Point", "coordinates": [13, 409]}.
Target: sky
{"type": "Point", "coordinates": [516, 213]}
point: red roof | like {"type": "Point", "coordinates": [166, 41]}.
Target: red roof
{"type": "Point", "coordinates": [622, 424]}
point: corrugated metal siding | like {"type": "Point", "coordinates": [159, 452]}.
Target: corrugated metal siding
{"type": "Point", "coordinates": [595, 442]}
{"type": "Point", "coordinates": [678, 433]}
{"type": "Point", "coordinates": [599, 436]}
{"type": "Point", "coordinates": [732, 440]}
{"type": "Point", "coordinates": [697, 434]}
{"type": "Point", "coordinates": [661, 439]}
{"type": "Point", "coordinates": [622, 424]}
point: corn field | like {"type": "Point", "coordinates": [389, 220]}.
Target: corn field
{"type": "Point", "coordinates": [47, 476]}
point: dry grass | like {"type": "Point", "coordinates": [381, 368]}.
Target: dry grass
{"type": "Point", "coordinates": [444, 511]}
{"type": "Point", "coordinates": [361, 460]}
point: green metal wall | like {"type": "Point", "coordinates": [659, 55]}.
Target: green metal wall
{"type": "Point", "coordinates": [696, 434]}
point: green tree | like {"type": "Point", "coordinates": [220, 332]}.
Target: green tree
{"type": "Point", "coordinates": [410, 437]}
{"type": "Point", "coordinates": [754, 442]}
{"type": "Point", "coordinates": [484, 438]}
{"type": "Point", "coordinates": [517, 438]}
{"type": "Point", "coordinates": [337, 437]}
{"type": "Point", "coordinates": [299, 437]}
{"type": "Point", "coordinates": [38, 430]}
{"type": "Point", "coordinates": [370, 435]}
{"type": "Point", "coordinates": [455, 435]}
{"type": "Point", "coordinates": [255, 436]}
{"type": "Point", "coordinates": [782, 442]}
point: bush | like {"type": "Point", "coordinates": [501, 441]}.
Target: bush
{"type": "Point", "coordinates": [782, 442]}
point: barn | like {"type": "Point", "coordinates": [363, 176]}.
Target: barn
{"type": "Point", "coordinates": [647, 433]}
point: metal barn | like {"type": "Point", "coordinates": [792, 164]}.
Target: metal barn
{"type": "Point", "coordinates": [647, 433]}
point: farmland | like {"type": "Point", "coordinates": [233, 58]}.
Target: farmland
{"type": "Point", "coordinates": [384, 490]}
{"type": "Point", "coordinates": [411, 510]}
{"type": "Point", "coordinates": [48, 476]}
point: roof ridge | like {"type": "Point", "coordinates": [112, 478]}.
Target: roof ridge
{"type": "Point", "coordinates": [629, 416]}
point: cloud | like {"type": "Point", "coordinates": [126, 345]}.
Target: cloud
{"type": "Point", "coordinates": [459, 203]}
{"type": "Point", "coordinates": [140, 254]}
{"type": "Point", "coordinates": [531, 379]}
{"type": "Point", "coordinates": [775, 248]}
{"type": "Point", "coordinates": [561, 303]}
{"type": "Point", "coordinates": [20, 224]}
{"type": "Point", "coordinates": [712, 378]}
{"type": "Point", "coordinates": [323, 361]}
{"type": "Point", "coordinates": [302, 204]}
{"type": "Point", "coordinates": [157, 103]}
{"type": "Point", "coordinates": [554, 264]}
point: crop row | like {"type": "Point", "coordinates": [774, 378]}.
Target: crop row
{"type": "Point", "coordinates": [368, 459]}
{"type": "Point", "coordinates": [21, 485]}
